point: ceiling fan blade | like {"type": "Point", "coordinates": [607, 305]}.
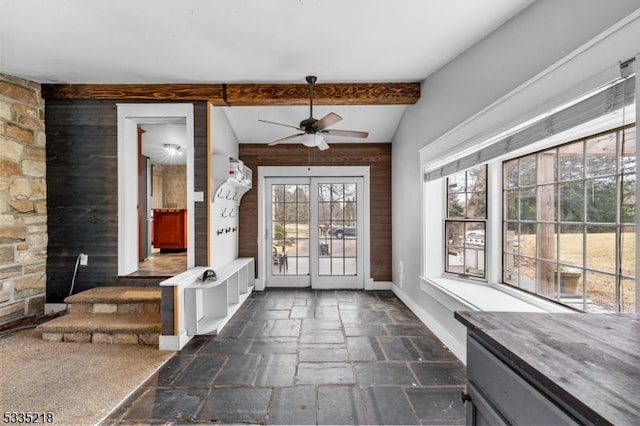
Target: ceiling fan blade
{"type": "Point", "coordinates": [326, 121]}
{"type": "Point", "coordinates": [346, 133]}
{"type": "Point", "coordinates": [277, 141]}
{"type": "Point", "coordinates": [323, 145]}
{"type": "Point", "coordinates": [280, 124]}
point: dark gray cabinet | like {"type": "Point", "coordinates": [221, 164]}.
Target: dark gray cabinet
{"type": "Point", "coordinates": [552, 369]}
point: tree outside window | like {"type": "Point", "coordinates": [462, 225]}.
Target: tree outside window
{"type": "Point", "coordinates": [465, 223]}
{"type": "Point", "coordinates": [569, 222]}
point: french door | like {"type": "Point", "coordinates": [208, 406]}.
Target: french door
{"type": "Point", "coordinates": [315, 232]}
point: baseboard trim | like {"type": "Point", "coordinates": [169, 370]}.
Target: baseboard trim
{"type": "Point", "coordinates": [447, 338]}
{"type": "Point", "coordinates": [378, 285]}
{"type": "Point", "coordinates": [172, 342]}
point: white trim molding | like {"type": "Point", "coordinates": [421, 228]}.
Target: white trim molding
{"type": "Point", "coordinates": [129, 116]}
{"type": "Point", "coordinates": [443, 333]}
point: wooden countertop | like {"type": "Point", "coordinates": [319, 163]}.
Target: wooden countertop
{"type": "Point", "coordinates": [589, 362]}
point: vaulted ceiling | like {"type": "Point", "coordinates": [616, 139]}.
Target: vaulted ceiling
{"type": "Point", "coordinates": [247, 41]}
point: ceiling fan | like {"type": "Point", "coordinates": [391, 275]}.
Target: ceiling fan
{"type": "Point", "coordinates": [313, 130]}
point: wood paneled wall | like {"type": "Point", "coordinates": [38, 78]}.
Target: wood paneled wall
{"type": "Point", "coordinates": [82, 193]}
{"type": "Point", "coordinates": [375, 155]}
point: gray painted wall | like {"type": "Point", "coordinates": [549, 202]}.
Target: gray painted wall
{"type": "Point", "coordinates": [523, 47]}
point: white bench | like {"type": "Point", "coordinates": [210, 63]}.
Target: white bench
{"type": "Point", "coordinates": [206, 307]}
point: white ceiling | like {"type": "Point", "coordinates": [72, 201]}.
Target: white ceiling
{"type": "Point", "coordinates": [227, 41]}
{"type": "Point", "coordinates": [159, 132]}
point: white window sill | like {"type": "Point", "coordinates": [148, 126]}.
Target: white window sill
{"type": "Point", "coordinates": [458, 294]}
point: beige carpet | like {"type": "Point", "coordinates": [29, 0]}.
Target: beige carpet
{"type": "Point", "coordinates": [79, 383]}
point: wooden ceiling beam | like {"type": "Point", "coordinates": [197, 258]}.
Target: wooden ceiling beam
{"type": "Point", "coordinates": [324, 94]}
{"type": "Point", "coordinates": [244, 94]}
{"type": "Point", "coordinates": [139, 92]}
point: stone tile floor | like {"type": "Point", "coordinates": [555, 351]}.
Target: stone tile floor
{"type": "Point", "coordinates": [302, 356]}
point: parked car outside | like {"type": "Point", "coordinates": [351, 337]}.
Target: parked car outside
{"type": "Point", "coordinates": [340, 231]}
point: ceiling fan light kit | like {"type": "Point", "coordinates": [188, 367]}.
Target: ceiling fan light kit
{"type": "Point", "coordinates": [313, 130]}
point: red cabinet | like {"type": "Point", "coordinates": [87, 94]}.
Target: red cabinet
{"type": "Point", "coordinates": [170, 229]}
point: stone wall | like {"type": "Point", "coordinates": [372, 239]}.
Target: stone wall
{"type": "Point", "coordinates": [174, 185]}
{"type": "Point", "coordinates": [23, 207]}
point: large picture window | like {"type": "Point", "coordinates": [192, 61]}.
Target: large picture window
{"type": "Point", "coordinates": [569, 222]}
{"type": "Point", "coordinates": [465, 222]}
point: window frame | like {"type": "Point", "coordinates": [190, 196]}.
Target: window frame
{"type": "Point", "coordinates": [585, 179]}
{"type": "Point", "coordinates": [447, 220]}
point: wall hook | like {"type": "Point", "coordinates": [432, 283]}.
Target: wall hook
{"type": "Point", "coordinates": [220, 193]}
{"type": "Point", "coordinates": [235, 196]}
{"type": "Point", "coordinates": [232, 214]}
{"type": "Point", "coordinates": [223, 212]}
{"type": "Point", "coordinates": [228, 195]}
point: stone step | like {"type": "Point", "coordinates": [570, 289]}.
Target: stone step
{"type": "Point", "coordinates": [116, 300]}
{"type": "Point", "coordinates": [103, 328]}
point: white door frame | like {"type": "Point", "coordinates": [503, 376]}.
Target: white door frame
{"type": "Point", "coordinates": [310, 171]}
{"type": "Point", "coordinates": [129, 116]}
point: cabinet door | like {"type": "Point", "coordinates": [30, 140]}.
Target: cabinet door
{"type": "Point", "coordinates": [479, 411]}
{"type": "Point", "coordinates": [169, 229]}
{"type": "Point", "coordinates": [517, 400]}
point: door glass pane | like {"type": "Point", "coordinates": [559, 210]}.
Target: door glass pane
{"type": "Point", "coordinates": [337, 248]}
{"type": "Point", "coordinates": [350, 266]}
{"type": "Point", "coordinates": [290, 192]}
{"type": "Point", "coordinates": [350, 192]}
{"type": "Point", "coordinates": [337, 211]}
{"type": "Point", "coordinates": [303, 265]}
{"type": "Point", "coordinates": [337, 228]}
{"type": "Point", "coordinates": [324, 211]}
{"type": "Point", "coordinates": [303, 193]}
{"type": "Point", "coordinates": [324, 266]}
{"type": "Point", "coordinates": [290, 229]}
{"type": "Point", "coordinates": [278, 193]}
{"type": "Point", "coordinates": [324, 192]}
{"type": "Point", "coordinates": [337, 192]}
{"type": "Point", "coordinates": [337, 266]}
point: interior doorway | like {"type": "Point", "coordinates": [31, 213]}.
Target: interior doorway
{"type": "Point", "coordinates": [162, 198]}
{"type": "Point", "coordinates": [155, 189]}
